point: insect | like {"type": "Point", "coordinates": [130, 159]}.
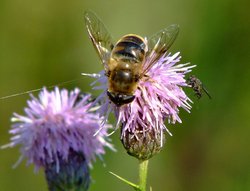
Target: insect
{"type": "Point", "coordinates": [197, 86]}
{"type": "Point", "coordinates": [128, 60]}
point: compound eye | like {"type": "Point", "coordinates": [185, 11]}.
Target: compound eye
{"type": "Point", "coordinates": [127, 98]}
{"type": "Point", "coordinates": [120, 99]}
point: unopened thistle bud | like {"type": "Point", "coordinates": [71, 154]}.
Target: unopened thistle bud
{"type": "Point", "coordinates": [142, 144]}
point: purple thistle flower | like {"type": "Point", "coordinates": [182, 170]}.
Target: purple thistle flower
{"type": "Point", "coordinates": [158, 97]}
{"type": "Point", "coordinates": [56, 133]}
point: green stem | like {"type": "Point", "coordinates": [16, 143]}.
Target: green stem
{"type": "Point", "coordinates": [143, 170]}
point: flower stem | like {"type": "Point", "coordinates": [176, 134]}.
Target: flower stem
{"type": "Point", "coordinates": [143, 170]}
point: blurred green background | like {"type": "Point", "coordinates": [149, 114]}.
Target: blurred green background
{"type": "Point", "coordinates": [45, 42]}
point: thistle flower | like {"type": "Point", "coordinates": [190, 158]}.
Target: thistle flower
{"type": "Point", "coordinates": [56, 134]}
{"type": "Point", "coordinates": [158, 97]}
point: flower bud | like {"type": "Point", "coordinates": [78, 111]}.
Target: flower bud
{"type": "Point", "coordinates": [143, 144]}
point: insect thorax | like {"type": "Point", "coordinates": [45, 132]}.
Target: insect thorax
{"type": "Point", "coordinates": [124, 77]}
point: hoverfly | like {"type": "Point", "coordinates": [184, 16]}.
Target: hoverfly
{"type": "Point", "coordinates": [197, 86]}
{"type": "Point", "coordinates": [128, 60]}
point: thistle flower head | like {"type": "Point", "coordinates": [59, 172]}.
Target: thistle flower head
{"type": "Point", "coordinates": [158, 97]}
{"type": "Point", "coordinates": [58, 128]}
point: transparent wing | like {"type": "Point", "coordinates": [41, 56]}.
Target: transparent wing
{"type": "Point", "coordinates": [159, 43]}
{"type": "Point", "coordinates": [99, 36]}
{"type": "Point", "coordinates": [206, 91]}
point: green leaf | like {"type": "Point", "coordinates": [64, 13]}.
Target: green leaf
{"type": "Point", "coordinates": [136, 187]}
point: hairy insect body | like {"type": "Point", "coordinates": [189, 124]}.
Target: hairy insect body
{"type": "Point", "coordinates": [125, 68]}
